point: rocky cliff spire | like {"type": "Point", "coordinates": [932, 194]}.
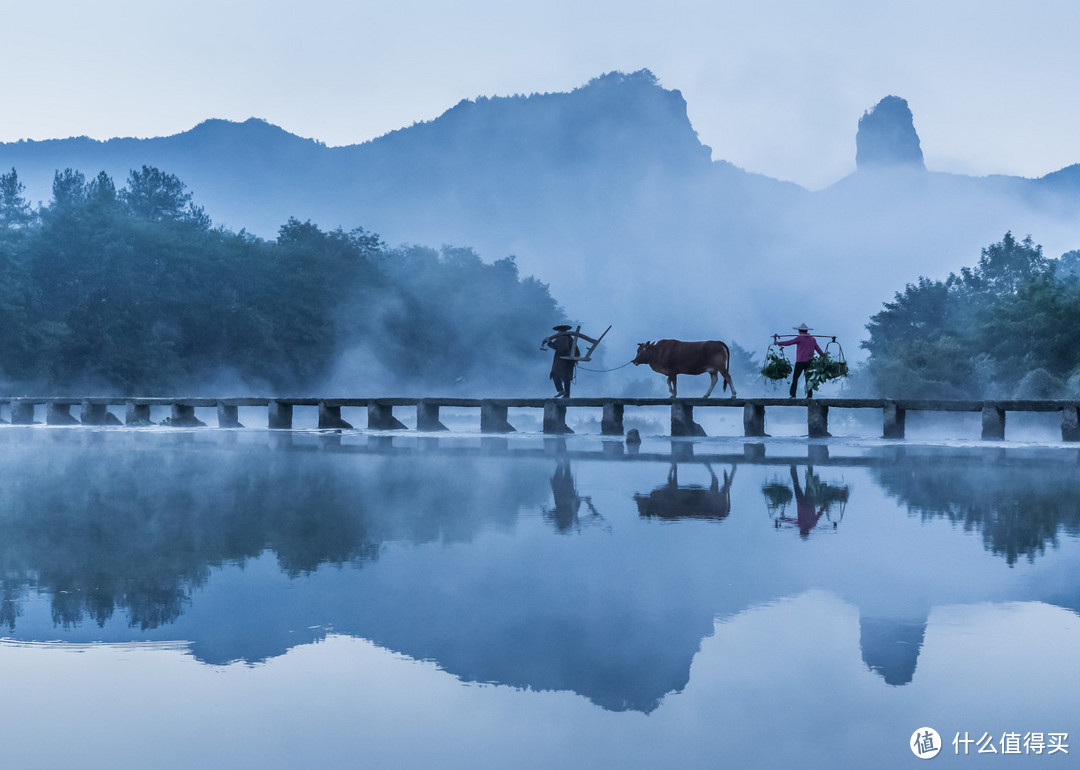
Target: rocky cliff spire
{"type": "Point", "coordinates": [886, 136]}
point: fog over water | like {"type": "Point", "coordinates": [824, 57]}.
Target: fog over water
{"type": "Point", "coordinates": [606, 193]}
{"type": "Point", "coordinates": [351, 201]}
{"type": "Point", "coordinates": [443, 594]}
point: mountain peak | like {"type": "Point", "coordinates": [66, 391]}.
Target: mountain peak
{"type": "Point", "coordinates": [887, 137]}
{"type": "Point", "coordinates": [624, 120]}
{"type": "Point", "coordinates": [642, 77]}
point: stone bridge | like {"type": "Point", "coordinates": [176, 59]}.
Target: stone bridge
{"type": "Point", "coordinates": [493, 412]}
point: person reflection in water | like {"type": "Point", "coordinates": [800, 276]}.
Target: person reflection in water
{"type": "Point", "coordinates": [807, 514]}
{"type": "Point", "coordinates": [567, 500]}
{"type": "Point", "coordinates": [813, 499]}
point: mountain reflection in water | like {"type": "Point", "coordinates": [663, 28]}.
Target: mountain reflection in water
{"type": "Point", "coordinates": [431, 548]}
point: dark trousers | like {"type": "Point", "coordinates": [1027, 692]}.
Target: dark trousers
{"type": "Point", "coordinates": [562, 380]}
{"type": "Point", "coordinates": [800, 368]}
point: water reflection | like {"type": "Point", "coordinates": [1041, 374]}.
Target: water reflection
{"type": "Point", "coordinates": [672, 501]}
{"type": "Point", "coordinates": [444, 551]}
{"type": "Point", "coordinates": [890, 647]}
{"type": "Point", "coordinates": [813, 498]}
{"type": "Point", "coordinates": [565, 513]}
{"type": "Point", "coordinates": [137, 531]}
{"type": "Point", "coordinates": [1018, 513]}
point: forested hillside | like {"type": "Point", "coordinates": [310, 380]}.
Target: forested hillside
{"type": "Point", "coordinates": [607, 194]}
{"type": "Point", "coordinates": [132, 290]}
{"type": "Point", "coordinates": [1004, 328]}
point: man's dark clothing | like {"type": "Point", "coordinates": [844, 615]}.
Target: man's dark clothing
{"type": "Point", "coordinates": [800, 368]}
{"type": "Point", "coordinates": [562, 371]}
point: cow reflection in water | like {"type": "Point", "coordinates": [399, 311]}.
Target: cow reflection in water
{"type": "Point", "coordinates": [672, 501]}
{"type": "Point", "coordinates": [813, 500]}
{"type": "Point", "coordinates": [565, 514]}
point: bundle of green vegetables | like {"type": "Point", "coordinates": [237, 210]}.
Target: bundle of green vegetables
{"type": "Point", "coordinates": [777, 495]}
{"type": "Point", "coordinates": [822, 369]}
{"type": "Point", "coordinates": [776, 367]}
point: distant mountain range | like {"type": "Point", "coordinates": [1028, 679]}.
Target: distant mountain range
{"type": "Point", "coordinates": [607, 194]}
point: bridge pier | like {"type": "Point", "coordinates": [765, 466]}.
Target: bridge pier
{"type": "Point", "coordinates": [136, 413]}
{"type": "Point", "coordinates": [493, 418]}
{"type": "Point", "coordinates": [279, 415]}
{"type": "Point", "coordinates": [228, 416]}
{"type": "Point", "coordinates": [1070, 423]}
{"type": "Point", "coordinates": [893, 418]}
{"type": "Point", "coordinates": [682, 451]}
{"type": "Point", "coordinates": [381, 417]}
{"type": "Point", "coordinates": [753, 420]}
{"type": "Point", "coordinates": [330, 417]}
{"type": "Point", "coordinates": [94, 414]}
{"type": "Point", "coordinates": [993, 422]}
{"type": "Point", "coordinates": [427, 416]}
{"type": "Point", "coordinates": [22, 413]}
{"type": "Point", "coordinates": [183, 416]}
{"type": "Point", "coordinates": [613, 449]}
{"type": "Point", "coordinates": [611, 424]}
{"type": "Point", "coordinates": [753, 451]}
{"type": "Point", "coordinates": [682, 420]}
{"type": "Point", "coordinates": [555, 417]}
{"type": "Point", "coordinates": [817, 453]}
{"type": "Point", "coordinates": [59, 413]}
{"type": "Point", "coordinates": [817, 420]}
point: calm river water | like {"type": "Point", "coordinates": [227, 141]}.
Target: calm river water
{"type": "Point", "coordinates": [286, 599]}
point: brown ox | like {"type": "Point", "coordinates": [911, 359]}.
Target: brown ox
{"type": "Point", "coordinates": [671, 501]}
{"type": "Point", "coordinates": [674, 357]}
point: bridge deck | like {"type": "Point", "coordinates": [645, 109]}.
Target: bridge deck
{"type": "Point", "coordinates": [494, 411]}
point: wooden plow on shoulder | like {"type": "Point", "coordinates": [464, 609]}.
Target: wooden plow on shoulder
{"type": "Point", "coordinates": [577, 334]}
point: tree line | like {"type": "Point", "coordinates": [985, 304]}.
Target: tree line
{"type": "Point", "coordinates": [1003, 328]}
{"type": "Point", "coordinates": [132, 290]}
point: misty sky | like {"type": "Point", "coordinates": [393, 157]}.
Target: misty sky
{"type": "Point", "coordinates": [775, 86]}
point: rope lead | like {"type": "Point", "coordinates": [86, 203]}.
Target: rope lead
{"type": "Point", "coordinates": [605, 370]}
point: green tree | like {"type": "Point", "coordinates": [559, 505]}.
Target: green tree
{"type": "Point", "coordinates": [131, 291]}
{"type": "Point", "coordinates": [69, 191]}
{"type": "Point", "coordinates": [156, 196]}
{"type": "Point", "coordinates": [15, 211]}
{"type": "Point", "coordinates": [982, 332]}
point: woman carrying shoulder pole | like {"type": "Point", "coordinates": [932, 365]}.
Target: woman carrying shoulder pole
{"type": "Point", "coordinates": [805, 347]}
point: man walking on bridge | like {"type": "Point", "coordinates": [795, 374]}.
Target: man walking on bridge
{"type": "Point", "coordinates": [566, 353]}
{"type": "Point", "coordinates": [805, 348]}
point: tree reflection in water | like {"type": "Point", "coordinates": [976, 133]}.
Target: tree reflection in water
{"type": "Point", "coordinates": [1019, 507]}
{"type": "Point", "coordinates": [100, 532]}
{"type": "Point", "coordinates": [126, 536]}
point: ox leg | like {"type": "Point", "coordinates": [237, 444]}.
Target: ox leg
{"type": "Point", "coordinates": [708, 392]}
{"type": "Point", "coordinates": [671, 386]}
{"type": "Point", "coordinates": [728, 382]}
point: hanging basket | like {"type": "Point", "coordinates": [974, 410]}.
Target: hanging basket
{"type": "Point", "coordinates": [777, 497]}
{"type": "Point", "coordinates": [830, 366]}
{"type": "Point", "coordinates": [777, 366]}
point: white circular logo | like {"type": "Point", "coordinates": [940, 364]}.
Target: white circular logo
{"type": "Point", "coordinates": [925, 743]}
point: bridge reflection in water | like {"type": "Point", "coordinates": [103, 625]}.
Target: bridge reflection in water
{"type": "Point", "coordinates": [120, 533]}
